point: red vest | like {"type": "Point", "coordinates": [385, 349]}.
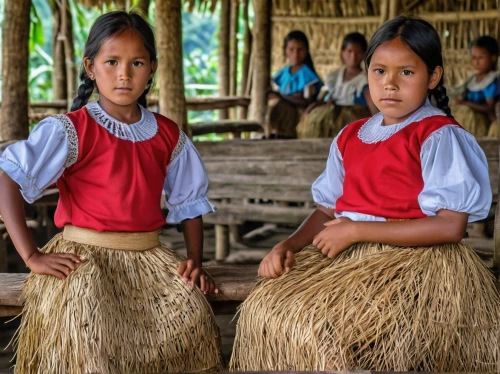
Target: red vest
{"type": "Point", "coordinates": [115, 184]}
{"type": "Point", "coordinates": [384, 179]}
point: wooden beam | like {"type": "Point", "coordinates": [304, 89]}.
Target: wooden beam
{"type": "Point", "coordinates": [459, 16]}
{"type": "Point", "coordinates": [224, 60]}
{"type": "Point", "coordinates": [171, 75]}
{"type": "Point", "coordinates": [225, 126]}
{"type": "Point", "coordinates": [328, 20]}
{"type": "Point", "coordinates": [15, 55]}
{"type": "Point", "coordinates": [262, 59]}
{"type": "Point", "coordinates": [233, 281]}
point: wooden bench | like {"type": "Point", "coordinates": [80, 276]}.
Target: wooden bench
{"type": "Point", "coordinates": [243, 173]}
{"type": "Point", "coordinates": [234, 282]}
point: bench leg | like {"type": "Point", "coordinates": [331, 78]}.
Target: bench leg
{"type": "Point", "coordinates": [221, 242]}
{"type": "Point", "coordinates": [234, 234]}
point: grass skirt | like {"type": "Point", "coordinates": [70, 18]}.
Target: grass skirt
{"type": "Point", "coordinates": [326, 121]}
{"type": "Point", "coordinates": [282, 118]}
{"type": "Point", "coordinates": [493, 131]}
{"type": "Point", "coordinates": [374, 307]}
{"type": "Point", "coordinates": [120, 312]}
{"type": "Point", "coordinates": [474, 122]}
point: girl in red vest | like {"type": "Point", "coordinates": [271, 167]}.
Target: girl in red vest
{"type": "Point", "coordinates": [387, 283]}
{"type": "Point", "coordinates": [105, 296]}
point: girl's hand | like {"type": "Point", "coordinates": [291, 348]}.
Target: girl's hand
{"type": "Point", "coordinates": [271, 94]}
{"type": "Point", "coordinates": [60, 265]}
{"type": "Point", "coordinates": [195, 275]}
{"type": "Point", "coordinates": [337, 236]}
{"type": "Point", "coordinates": [459, 100]}
{"type": "Point", "coordinates": [277, 262]}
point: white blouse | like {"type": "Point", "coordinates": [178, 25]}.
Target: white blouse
{"type": "Point", "coordinates": [39, 161]}
{"type": "Point", "coordinates": [454, 170]}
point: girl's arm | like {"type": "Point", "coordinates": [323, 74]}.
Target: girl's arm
{"type": "Point", "coordinates": [59, 265]}
{"type": "Point", "coordinates": [446, 227]}
{"type": "Point", "coordinates": [488, 108]}
{"type": "Point", "coordinates": [298, 99]}
{"type": "Point", "coordinates": [191, 268]}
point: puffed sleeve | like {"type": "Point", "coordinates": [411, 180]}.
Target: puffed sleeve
{"type": "Point", "coordinates": [36, 163]}
{"type": "Point", "coordinates": [455, 174]}
{"type": "Point", "coordinates": [329, 185]}
{"type": "Point", "coordinates": [186, 185]}
{"type": "Point", "coordinates": [491, 91]}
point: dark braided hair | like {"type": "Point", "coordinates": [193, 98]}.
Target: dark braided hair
{"type": "Point", "coordinates": [106, 25]}
{"type": "Point", "coordinates": [422, 38]}
{"type": "Point", "coordinates": [301, 37]}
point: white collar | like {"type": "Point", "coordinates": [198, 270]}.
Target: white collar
{"type": "Point", "coordinates": [472, 85]}
{"type": "Point", "coordinates": [373, 131]}
{"type": "Point", "coordinates": [145, 129]}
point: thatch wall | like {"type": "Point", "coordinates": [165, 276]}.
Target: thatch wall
{"type": "Point", "coordinates": [326, 22]}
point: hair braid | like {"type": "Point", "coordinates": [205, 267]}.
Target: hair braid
{"type": "Point", "coordinates": [142, 100]}
{"type": "Point", "coordinates": [84, 91]}
{"type": "Point", "coordinates": [442, 99]}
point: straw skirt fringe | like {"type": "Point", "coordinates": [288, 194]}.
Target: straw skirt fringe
{"type": "Point", "coordinates": [281, 118]}
{"type": "Point", "coordinates": [374, 307]}
{"type": "Point", "coordinates": [326, 121]}
{"type": "Point", "coordinates": [474, 122]}
{"type": "Point", "coordinates": [119, 312]}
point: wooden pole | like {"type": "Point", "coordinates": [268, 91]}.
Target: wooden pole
{"type": "Point", "coordinates": [224, 64]}
{"type": "Point", "coordinates": [59, 86]}
{"type": "Point", "coordinates": [393, 8]}
{"type": "Point", "coordinates": [233, 51]}
{"type": "Point", "coordinates": [143, 7]}
{"type": "Point", "coordinates": [262, 59]}
{"type": "Point", "coordinates": [66, 36]}
{"type": "Point", "coordinates": [15, 54]}
{"type": "Point", "coordinates": [247, 42]}
{"type": "Point", "coordinates": [170, 71]}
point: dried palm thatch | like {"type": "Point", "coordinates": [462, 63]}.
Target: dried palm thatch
{"type": "Point", "coordinates": [374, 307]}
{"type": "Point", "coordinates": [326, 121]}
{"type": "Point", "coordinates": [325, 22]}
{"type": "Point", "coordinates": [474, 122]}
{"type": "Point", "coordinates": [120, 312]}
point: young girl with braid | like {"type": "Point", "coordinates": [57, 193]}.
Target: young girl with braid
{"type": "Point", "coordinates": [105, 296]}
{"type": "Point", "coordinates": [377, 278]}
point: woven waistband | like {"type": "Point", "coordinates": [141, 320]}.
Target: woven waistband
{"type": "Point", "coordinates": [128, 241]}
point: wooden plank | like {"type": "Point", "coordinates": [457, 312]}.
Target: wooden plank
{"type": "Point", "coordinates": [10, 288]}
{"type": "Point", "coordinates": [234, 282]}
{"type": "Point", "coordinates": [271, 167]}
{"type": "Point", "coordinates": [272, 191]}
{"type": "Point", "coordinates": [225, 126]}
{"type": "Point", "coordinates": [232, 213]}
{"type": "Point", "coordinates": [264, 148]}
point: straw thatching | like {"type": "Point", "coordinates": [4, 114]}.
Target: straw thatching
{"type": "Point", "coordinates": [327, 21]}
{"type": "Point", "coordinates": [374, 307]}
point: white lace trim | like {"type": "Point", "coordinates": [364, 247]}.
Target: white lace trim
{"type": "Point", "coordinates": [180, 146]}
{"type": "Point", "coordinates": [472, 85]}
{"type": "Point", "coordinates": [72, 139]}
{"type": "Point", "coordinates": [373, 131]}
{"type": "Point", "coordinates": [145, 129]}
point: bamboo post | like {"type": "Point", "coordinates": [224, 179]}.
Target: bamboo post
{"type": "Point", "coordinates": [262, 59]}
{"type": "Point", "coordinates": [224, 60]}
{"type": "Point", "coordinates": [170, 73]}
{"type": "Point", "coordinates": [221, 242]}
{"type": "Point", "coordinates": [59, 87]}
{"type": "Point", "coordinates": [15, 54]}
{"type": "Point", "coordinates": [247, 42]}
{"type": "Point", "coordinates": [143, 7]}
{"type": "Point", "coordinates": [69, 51]}
{"type": "Point", "coordinates": [233, 52]}
{"type": "Point", "coordinates": [393, 8]}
